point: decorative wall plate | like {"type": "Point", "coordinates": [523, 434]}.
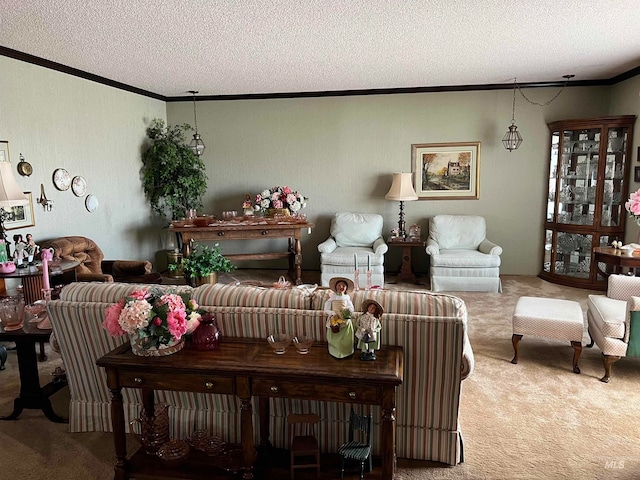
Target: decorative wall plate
{"type": "Point", "coordinates": [91, 203]}
{"type": "Point", "coordinates": [61, 179]}
{"type": "Point", "coordinates": [24, 168]}
{"type": "Point", "coordinates": [79, 186]}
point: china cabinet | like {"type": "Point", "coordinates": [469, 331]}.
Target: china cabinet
{"type": "Point", "coordinates": [588, 185]}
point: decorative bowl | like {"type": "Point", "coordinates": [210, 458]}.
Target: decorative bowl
{"type": "Point", "coordinates": [302, 343]}
{"type": "Point", "coordinates": [198, 439]}
{"type": "Point", "coordinates": [279, 342]}
{"type": "Point", "coordinates": [214, 446]}
{"type": "Point", "coordinates": [174, 452]}
{"type": "Point", "coordinates": [7, 267]}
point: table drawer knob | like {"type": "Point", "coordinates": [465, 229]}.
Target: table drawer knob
{"type": "Point", "coordinates": [209, 385]}
{"type": "Point", "coordinates": [221, 234]}
{"type": "Point", "coordinates": [352, 395]}
{"type": "Point", "coordinates": [274, 389]}
{"type": "Point", "coordinates": [137, 380]}
{"type": "Point", "coordinates": [265, 232]}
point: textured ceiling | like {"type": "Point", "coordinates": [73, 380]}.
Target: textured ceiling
{"type": "Point", "coordinates": [231, 47]}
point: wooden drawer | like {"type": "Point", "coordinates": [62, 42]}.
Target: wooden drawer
{"type": "Point", "coordinates": [315, 391]}
{"type": "Point", "coordinates": [187, 383]}
{"type": "Point", "coordinates": [265, 232]}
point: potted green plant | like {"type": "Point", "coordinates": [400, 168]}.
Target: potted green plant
{"type": "Point", "coordinates": [173, 177]}
{"type": "Point", "coordinates": [203, 264]}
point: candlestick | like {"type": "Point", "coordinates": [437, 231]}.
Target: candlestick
{"type": "Point", "coordinates": [356, 279]}
{"type": "Point", "coordinates": [47, 255]}
{"type": "Point", "coordinates": [368, 263]}
{"type": "Point", "coordinates": [368, 279]}
{"type": "Point", "coordinates": [355, 260]}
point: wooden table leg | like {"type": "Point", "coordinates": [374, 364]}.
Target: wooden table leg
{"type": "Point", "coordinates": [388, 433]}
{"type": "Point", "coordinates": [246, 426]}
{"type": "Point", "coordinates": [264, 411]}
{"type": "Point", "coordinates": [577, 350]}
{"type": "Point", "coordinates": [119, 436]}
{"type": "Point", "coordinates": [31, 394]}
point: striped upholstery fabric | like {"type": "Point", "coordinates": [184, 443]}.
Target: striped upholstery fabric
{"type": "Point", "coordinates": [430, 327]}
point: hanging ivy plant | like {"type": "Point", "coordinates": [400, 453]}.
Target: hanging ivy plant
{"type": "Point", "coordinates": [173, 177]}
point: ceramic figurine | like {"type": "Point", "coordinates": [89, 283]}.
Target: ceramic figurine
{"type": "Point", "coordinates": [368, 328]}
{"type": "Point", "coordinates": [339, 309]}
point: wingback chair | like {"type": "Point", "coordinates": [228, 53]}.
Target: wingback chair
{"type": "Point", "coordinates": [93, 267]}
{"type": "Point", "coordinates": [461, 257]}
{"type": "Point", "coordinates": [353, 235]}
{"type": "Point", "coordinates": [614, 321]}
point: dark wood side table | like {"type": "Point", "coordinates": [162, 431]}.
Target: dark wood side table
{"type": "Point", "coordinates": [32, 281]}
{"type": "Point", "coordinates": [615, 259]}
{"type": "Point", "coordinates": [406, 273]}
{"type": "Point", "coordinates": [32, 395]}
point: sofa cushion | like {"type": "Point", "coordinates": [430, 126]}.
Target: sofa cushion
{"type": "Point", "coordinates": [459, 258]}
{"type": "Point", "coordinates": [356, 229]}
{"type": "Point", "coordinates": [230, 295]}
{"type": "Point", "coordinates": [609, 313]}
{"type": "Point", "coordinates": [111, 292]}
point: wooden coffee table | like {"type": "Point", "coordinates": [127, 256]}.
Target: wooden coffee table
{"type": "Point", "coordinates": [32, 395]}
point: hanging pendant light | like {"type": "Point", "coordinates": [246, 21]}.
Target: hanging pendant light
{"type": "Point", "coordinates": [512, 139]}
{"type": "Point", "coordinates": [197, 146]}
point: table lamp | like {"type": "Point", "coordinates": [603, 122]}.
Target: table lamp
{"type": "Point", "coordinates": [402, 190]}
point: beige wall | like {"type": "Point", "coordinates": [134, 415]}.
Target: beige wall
{"type": "Point", "coordinates": [60, 121]}
{"type": "Point", "coordinates": [339, 151]}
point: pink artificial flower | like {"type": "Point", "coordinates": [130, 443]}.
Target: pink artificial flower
{"type": "Point", "coordinates": [111, 324]}
{"type": "Point", "coordinates": [278, 204]}
{"type": "Point", "coordinates": [291, 198]}
{"type": "Point", "coordinates": [633, 205]}
{"type": "Point", "coordinates": [286, 190]}
{"type": "Point", "coordinates": [140, 294]}
{"type": "Point", "coordinates": [193, 321]}
{"type": "Point", "coordinates": [177, 323]}
{"type": "Point", "coordinates": [157, 321]}
{"type": "Point", "coordinates": [174, 301]}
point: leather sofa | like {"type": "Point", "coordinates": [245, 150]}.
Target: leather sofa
{"type": "Point", "coordinates": [432, 329]}
{"type": "Point", "coordinates": [93, 267]}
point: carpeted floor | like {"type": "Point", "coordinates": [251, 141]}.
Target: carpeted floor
{"type": "Point", "coordinates": [533, 420]}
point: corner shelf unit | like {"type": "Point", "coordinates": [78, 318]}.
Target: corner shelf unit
{"type": "Point", "coordinates": [589, 168]}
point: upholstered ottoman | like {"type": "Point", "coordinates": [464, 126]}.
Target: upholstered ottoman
{"type": "Point", "coordinates": [551, 318]}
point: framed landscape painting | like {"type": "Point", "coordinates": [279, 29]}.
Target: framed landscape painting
{"type": "Point", "coordinates": [446, 171]}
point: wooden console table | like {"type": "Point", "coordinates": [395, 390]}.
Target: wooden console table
{"type": "Point", "coordinates": [258, 229]}
{"type": "Point", "coordinates": [247, 367]}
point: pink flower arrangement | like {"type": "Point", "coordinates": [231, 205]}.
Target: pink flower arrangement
{"type": "Point", "coordinates": [160, 318]}
{"type": "Point", "coordinates": [633, 206]}
{"type": "Point", "coordinates": [280, 197]}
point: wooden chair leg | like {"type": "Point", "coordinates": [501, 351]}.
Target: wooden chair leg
{"type": "Point", "coordinates": [515, 339]}
{"type": "Point", "coordinates": [590, 338]}
{"type": "Point", "coordinates": [577, 350]}
{"type": "Point", "coordinates": [608, 361]}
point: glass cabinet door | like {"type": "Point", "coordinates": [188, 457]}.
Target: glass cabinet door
{"type": "Point", "coordinates": [614, 181]}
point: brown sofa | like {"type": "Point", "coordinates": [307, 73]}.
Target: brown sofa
{"type": "Point", "coordinates": [93, 267]}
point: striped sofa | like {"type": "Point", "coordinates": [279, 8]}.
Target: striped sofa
{"type": "Point", "coordinates": [431, 328]}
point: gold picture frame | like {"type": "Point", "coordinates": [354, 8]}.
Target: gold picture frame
{"type": "Point", "coordinates": [446, 171]}
{"type": "Point", "coordinates": [20, 216]}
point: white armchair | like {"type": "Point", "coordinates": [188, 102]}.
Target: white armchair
{"type": "Point", "coordinates": [461, 257]}
{"type": "Point", "coordinates": [614, 321]}
{"type": "Point", "coordinates": [353, 234]}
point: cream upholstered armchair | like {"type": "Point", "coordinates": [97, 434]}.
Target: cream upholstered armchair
{"type": "Point", "coordinates": [353, 235]}
{"type": "Point", "coordinates": [614, 321]}
{"type": "Point", "coordinates": [461, 257]}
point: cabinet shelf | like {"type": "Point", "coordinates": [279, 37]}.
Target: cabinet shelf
{"type": "Point", "coordinates": [585, 197]}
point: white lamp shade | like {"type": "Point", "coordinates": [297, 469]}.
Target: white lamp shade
{"type": "Point", "coordinates": [401, 188]}
{"type": "Point", "coordinates": [10, 192]}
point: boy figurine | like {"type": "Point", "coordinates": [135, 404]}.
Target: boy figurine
{"type": "Point", "coordinates": [368, 327]}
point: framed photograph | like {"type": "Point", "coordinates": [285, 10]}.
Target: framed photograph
{"type": "Point", "coordinates": [20, 216]}
{"type": "Point", "coordinates": [446, 171]}
{"type": "Point", "coordinates": [636, 174]}
{"type": "Point", "coordinates": [4, 151]}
